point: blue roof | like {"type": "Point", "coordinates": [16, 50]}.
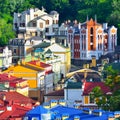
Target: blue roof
{"type": "Point", "coordinates": [59, 110]}
{"type": "Point", "coordinates": [72, 112]}
{"type": "Point", "coordinates": [37, 111]}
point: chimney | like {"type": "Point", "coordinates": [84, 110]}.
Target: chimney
{"type": "Point", "coordinates": [9, 108]}
{"type": "Point", "coordinates": [93, 61]}
{"type": "Point", "coordinates": [23, 61]}
{"type": "Point", "coordinates": [65, 116]}
{"type": "Point", "coordinates": [9, 75]}
{"type": "Point", "coordinates": [87, 111]}
{"type": "Point", "coordinates": [97, 112]}
{"type": "Point", "coordinates": [38, 63]}
{"type": "Point", "coordinates": [3, 97]}
{"type": "Point", "coordinates": [32, 59]}
{"type": "Point", "coordinates": [87, 19]}
{"type": "Point", "coordinates": [85, 74]}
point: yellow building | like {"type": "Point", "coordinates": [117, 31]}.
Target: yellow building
{"type": "Point", "coordinates": [32, 75]}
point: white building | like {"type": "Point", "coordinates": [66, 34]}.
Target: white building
{"type": "Point", "coordinates": [35, 22]}
{"type": "Point", "coordinates": [64, 53]}
{"type": "Point", "coordinates": [5, 57]}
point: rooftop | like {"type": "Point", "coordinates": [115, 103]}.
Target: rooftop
{"type": "Point", "coordinates": [90, 85]}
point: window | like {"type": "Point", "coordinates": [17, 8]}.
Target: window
{"type": "Point", "coordinates": [47, 30]}
{"type": "Point", "coordinates": [91, 38]}
{"type": "Point", "coordinates": [91, 35]}
{"type": "Point", "coordinates": [47, 22]}
{"type": "Point", "coordinates": [91, 47]}
{"type": "Point", "coordinates": [35, 15]}
{"type": "Point", "coordinates": [14, 51]}
{"type": "Point", "coordinates": [91, 31]}
{"type": "Point", "coordinates": [86, 100]}
{"type": "Point", "coordinates": [41, 25]}
{"type": "Point", "coordinates": [36, 34]}
{"type": "Point", "coordinates": [53, 21]}
{"type": "Point", "coordinates": [34, 24]}
{"type": "Point", "coordinates": [56, 21]}
{"type": "Point", "coordinates": [15, 24]}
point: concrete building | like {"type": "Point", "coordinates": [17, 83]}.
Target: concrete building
{"type": "Point", "coordinates": [91, 38]}
{"type": "Point", "coordinates": [35, 22]}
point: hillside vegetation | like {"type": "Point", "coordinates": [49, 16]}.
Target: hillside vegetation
{"type": "Point", "coordinates": [105, 10]}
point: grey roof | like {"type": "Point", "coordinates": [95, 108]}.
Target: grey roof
{"type": "Point", "coordinates": [53, 12]}
{"type": "Point", "coordinates": [36, 38]}
{"type": "Point", "coordinates": [90, 76]}
{"type": "Point", "coordinates": [17, 41]}
{"type": "Point", "coordinates": [42, 45]}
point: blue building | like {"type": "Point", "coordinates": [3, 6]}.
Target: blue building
{"type": "Point", "coordinates": [60, 112]}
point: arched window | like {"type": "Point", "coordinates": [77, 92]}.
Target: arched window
{"type": "Point", "coordinates": [91, 38]}
{"type": "Point", "coordinates": [91, 30]}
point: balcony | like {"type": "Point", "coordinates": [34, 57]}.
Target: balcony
{"type": "Point", "coordinates": [22, 28]}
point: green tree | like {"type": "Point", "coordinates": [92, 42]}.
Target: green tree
{"type": "Point", "coordinates": [113, 81]}
{"type": "Point", "coordinates": [99, 97]}
{"type": "Point", "coordinates": [6, 32]}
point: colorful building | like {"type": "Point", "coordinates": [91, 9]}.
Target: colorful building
{"type": "Point", "coordinates": [39, 76]}
{"type": "Point", "coordinates": [53, 52]}
{"type": "Point", "coordinates": [79, 85]}
{"type": "Point", "coordinates": [21, 47]}
{"type": "Point", "coordinates": [91, 38]}
{"type": "Point", "coordinates": [65, 54]}
{"type": "Point", "coordinates": [12, 83]}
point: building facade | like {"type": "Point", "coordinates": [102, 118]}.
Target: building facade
{"type": "Point", "coordinates": [35, 22]}
{"type": "Point", "coordinates": [91, 39]}
{"type": "Point", "coordinates": [5, 57]}
{"type": "Point", "coordinates": [21, 48]}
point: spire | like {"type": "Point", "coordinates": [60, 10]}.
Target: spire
{"type": "Point", "coordinates": [95, 18]}
{"type": "Point", "coordinates": [87, 18]}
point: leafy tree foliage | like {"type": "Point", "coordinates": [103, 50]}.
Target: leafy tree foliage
{"type": "Point", "coordinates": [6, 32]}
{"type": "Point", "coordinates": [105, 10]}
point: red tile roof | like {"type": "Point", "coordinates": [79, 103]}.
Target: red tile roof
{"type": "Point", "coordinates": [7, 77]}
{"type": "Point", "coordinates": [47, 67]}
{"type": "Point", "coordinates": [88, 87]}
{"type": "Point", "coordinates": [4, 77]}
{"type": "Point", "coordinates": [16, 111]}
{"type": "Point", "coordinates": [40, 64]}
{"type": "Point", "coordinates": [13, 97]}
